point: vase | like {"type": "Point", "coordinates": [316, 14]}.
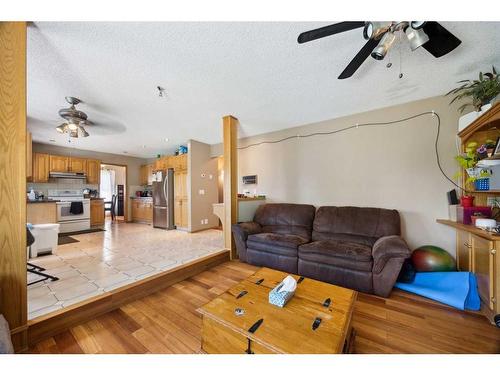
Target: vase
{"type": "Point", "coordinates": [467, 201]}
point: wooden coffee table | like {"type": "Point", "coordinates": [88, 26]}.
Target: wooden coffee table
{"type": "Point", "coordinates": [281, 330]}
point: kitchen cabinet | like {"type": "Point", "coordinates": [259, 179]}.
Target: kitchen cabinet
{"type": "Point", "coordinates": [40, 167]}
{"type": "Point", "coordinates": [180, 199]}
{"type": "Point", "coordinates": [147, 174]}
{"type": "Point", "coordinates": [93, 171]}
{"type": "Point", "coordinates": [178, 163]}
{"type": "Point", "coordinates": [29, 157]}
{"type": "Point", "coordinates": [41, 213]}
{"type": "Point", "coordinates": [142, 210]}
{"type": "Point", "coordinates": [77, 165]}
{"type": "Point", "coordinates": [464, 250]}
{"type": "Point", "coordinates": [483, 260]}
{"type": "Point", "coordinates": [97, 212]}
{"type": "Point", "coordinates": [58, 163]}
{"type": "Point", "coordinates": [477, 253]}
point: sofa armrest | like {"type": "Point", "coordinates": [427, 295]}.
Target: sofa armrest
{"type": "Point", "coordinates": [241, 232]}
{"type": "Point", "coordinates": [387, 248]}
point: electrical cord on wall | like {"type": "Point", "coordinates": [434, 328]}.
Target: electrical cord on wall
{"type": "Point", "coordinates": [432, 113]}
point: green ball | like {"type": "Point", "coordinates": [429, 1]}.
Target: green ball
{"type": "Point", "coordinates": [430, 258]}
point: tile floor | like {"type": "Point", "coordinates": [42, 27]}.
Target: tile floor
{"type": "Point", "coordinates": [103, 261]}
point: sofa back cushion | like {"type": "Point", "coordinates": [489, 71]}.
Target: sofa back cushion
{"type": "Point", "coordinates": [286, 218]}
{"type": "Point", "coordinates": [357, 224]}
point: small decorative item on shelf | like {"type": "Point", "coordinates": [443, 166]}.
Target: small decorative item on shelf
{"type": "Point", "coordinates": [469, 160]}
{"type": "Point", "coordinates": [482, 184]}
{"type": "Point", "coordinates": [467, 201]}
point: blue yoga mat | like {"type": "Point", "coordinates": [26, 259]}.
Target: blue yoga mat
{"type": "Point", "coordinates": [457, 289]}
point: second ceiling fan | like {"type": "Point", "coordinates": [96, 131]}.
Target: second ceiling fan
{"type": "Point", "coordinates": [381, 35]}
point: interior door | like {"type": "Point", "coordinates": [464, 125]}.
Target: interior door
{"type": "Point", "coordinates": [483, 268]}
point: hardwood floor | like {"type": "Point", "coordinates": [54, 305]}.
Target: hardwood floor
{"type": "Point", "coordinates": [167, 322]}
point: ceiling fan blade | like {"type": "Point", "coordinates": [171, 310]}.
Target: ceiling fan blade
{"type": "Point", "coordinates": [361, 56]}
{"type": "Point", "coordinates": [441, 41]}
{"type": "Point", "coordinates": [336, 28]}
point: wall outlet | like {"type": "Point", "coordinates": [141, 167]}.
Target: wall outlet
{"type": "Point", "coordinates": [211, 176]}
{"type": "Point", "coordinates": [201, 191]}
{"type": "Point", "coordinates": [206, 221]}
{"type": "Point", "coordinates": [202, 221]}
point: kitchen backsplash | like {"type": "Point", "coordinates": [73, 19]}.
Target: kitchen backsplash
{"type": "Point", "coordinates": [65, 184]}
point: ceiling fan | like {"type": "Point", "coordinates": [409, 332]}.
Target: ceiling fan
{"type": "Point", "coordinates": [75, 119]}
{"type": "Point", "coordinates": [380, 37]}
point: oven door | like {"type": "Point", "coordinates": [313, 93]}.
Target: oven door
{"type": "Point", "coordinates": [64, 214]}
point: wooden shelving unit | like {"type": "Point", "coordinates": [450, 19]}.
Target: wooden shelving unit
{"type": "Point", "coordinates": [484, 127]}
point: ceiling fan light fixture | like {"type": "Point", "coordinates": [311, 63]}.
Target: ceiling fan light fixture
{"type": "Point", "coordinates": [61, 128]}
{"type": "Point", "coordinates": [375, 30]}
{"type": "Point", "coordinates": [72, 126]}
{"type": "Point", "coordinates": [84, 132]}
{"type": "Point", "coordinates": [385, 44]}
{"type": "Point", "coordinates": [416, 37]}
{"type": "Point", "coordinates": [417, 25]}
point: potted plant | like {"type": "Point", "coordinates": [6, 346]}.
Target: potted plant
{"type": "Point", "coordinates": [481, 92]}
{"type": "Point", "coordinates": [468, 161]}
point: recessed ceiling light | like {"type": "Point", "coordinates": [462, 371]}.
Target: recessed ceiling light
{"type": "Point", "coordinates": [166, 139]}
{"type": "Point", "coordinates": [52, 140]}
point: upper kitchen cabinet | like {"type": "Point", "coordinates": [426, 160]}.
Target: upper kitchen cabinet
{"type": "Point", "coordinates": [29, 157]}
{"type": "Point", "coordinates": [77, 165]}
{"type": "Point", "coordinates": [58, 163]}
{"type": "Point", "coordinates": [147, 173]}
{"type": "Point", "coordinates": [41, 167]}
{"type": "Point", "coordinates": [93, 171]}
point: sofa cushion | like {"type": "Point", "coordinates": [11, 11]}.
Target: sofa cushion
{"type": "Point", "coordinates": [286, 218]}
{"type": "Point", "coordinates": [350, 255]}
{"type": "Point", "coordinates": [360, 221]}
{"type": "Point", "coordinates": [283, 244]}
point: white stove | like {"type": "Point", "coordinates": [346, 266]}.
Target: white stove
{"type": "Point", "coordinates": [71, 217]}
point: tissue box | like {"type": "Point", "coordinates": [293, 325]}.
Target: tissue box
{"type": "Point", "coordinates": [279, 298]}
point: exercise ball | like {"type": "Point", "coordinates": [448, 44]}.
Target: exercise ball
{"type": "Point", "coordinates": [430, 258]}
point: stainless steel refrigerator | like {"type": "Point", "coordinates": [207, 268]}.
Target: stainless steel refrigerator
{"type": "Point", "coordinates": [163, 199]}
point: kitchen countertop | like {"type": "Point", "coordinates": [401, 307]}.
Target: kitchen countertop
{"type": "Point", "coordinates": [43, 201]}
{"type": "Point", "coordinates": [141, 197]}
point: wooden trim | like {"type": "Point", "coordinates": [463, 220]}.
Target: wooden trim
{"type": "Point", "coordinates": [471, 229]}
{"type": "Point", "coordinates": [53, 323]}
{"type": "Point", "coordinates": [493, 114]}
{"type": "Point", "coordinates": [13, 279]}
{"type": "Point", "coordinates": [230, 130]}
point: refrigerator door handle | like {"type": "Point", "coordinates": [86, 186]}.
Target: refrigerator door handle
{"type": "Point", "coordinates": [165, 189]}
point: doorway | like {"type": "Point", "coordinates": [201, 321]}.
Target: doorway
{"type": "Point", "coordinates": [112, 187]}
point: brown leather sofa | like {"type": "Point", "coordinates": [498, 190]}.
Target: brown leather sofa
{"type": "Point", "coordinates": [358, 248]}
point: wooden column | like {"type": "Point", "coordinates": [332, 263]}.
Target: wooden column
{"type": "Point", "coordinates": [13, 302]}
{"type": "Point", "coordinates": [230, 128]}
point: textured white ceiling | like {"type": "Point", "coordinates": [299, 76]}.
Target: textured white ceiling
{"type": "Point", "coordinates": [254, 71]}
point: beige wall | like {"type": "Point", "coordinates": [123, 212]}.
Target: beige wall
{"type": "Point", "coordinates": [393, 166]}
{"type": "Point", "coordinates": [202, 175]}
